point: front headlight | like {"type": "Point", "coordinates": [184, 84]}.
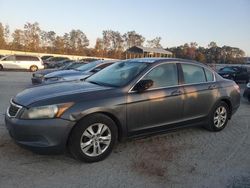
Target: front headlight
{"type": "Point", "coordinates": [248, 85]}
{"type": "Point", "coordinates": [46, 112]}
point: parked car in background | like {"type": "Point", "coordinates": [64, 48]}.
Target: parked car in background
{"type": "Point", "coordinates": [246, 93]}
{"type": "Point", "coordinates": [50, 62]}
{"type": "Point", "coordinates": [89, 59]}
{"type": "Point", "coordinates": [62, 63]}
{"type": "Point", "coordinates": [37, 77]}
{"type": "Point", "coordinates": [130, 98]}
{"type": "Point", "coordinates": [236, 73]}
{"type": "Point", "coordinates": [79, 73]}
{"type": "Point", "coordinates": [31, 63]}
{"type": "Point", "coordinates": [46, 57]}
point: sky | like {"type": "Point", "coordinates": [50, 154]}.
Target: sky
{"type": "Point", "coordinates": [227, 22]}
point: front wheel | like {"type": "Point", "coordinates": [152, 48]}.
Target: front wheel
{"type": "Point", "coordinates": [1, 67]}
{"type": "Point", "coordinates": [93, 138]}
{"type": "Point", "coordinates": [218, 117]}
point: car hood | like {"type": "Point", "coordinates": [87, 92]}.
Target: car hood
{"type": "Point", "coordinates": [32, 95]}
{"type": "Point", "coordinates": [45, 71]}
{"type": "Point", "coordinates": [63, 73]}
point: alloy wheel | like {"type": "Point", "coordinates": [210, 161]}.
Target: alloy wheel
{"type": "Point", "coordinates": [220, 117]}
{"type": "Point", "coordinates": [95, 139]}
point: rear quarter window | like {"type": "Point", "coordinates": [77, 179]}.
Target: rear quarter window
{"type": "Point", "coordinates": [209, 75]}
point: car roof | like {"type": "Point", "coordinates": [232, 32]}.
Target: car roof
{"type": "Point", "coordinates": [157, 60]}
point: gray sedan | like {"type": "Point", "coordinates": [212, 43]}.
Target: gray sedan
{"type": "Point", "coordinates": [128, 99]}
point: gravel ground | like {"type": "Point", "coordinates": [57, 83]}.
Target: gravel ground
{"type": "Point", "coordinates": [190, 157]}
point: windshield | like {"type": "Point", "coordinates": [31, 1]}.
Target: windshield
{"type": "Point", "coordinates": [88, 66]}
{"type": "Point", "coordinates": [228, 69]}
{"type": "Point", "coordinates": [121, 73]}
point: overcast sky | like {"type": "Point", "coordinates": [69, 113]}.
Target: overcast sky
{"type": "Point", "coordinates": [227, 22]}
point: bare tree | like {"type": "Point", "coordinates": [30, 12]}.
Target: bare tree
{"type": "Point", "coordinates": [78, 40]}
{"type": "Point", "coordinates": [154, 43]}
{"type": "Point", "coordinates": [32, 36]}
{"type": "Point", "coordinates": [132, 38]}
{"type": "Point", "coordinates": [18, 39]}
{"type": "Point", "coordinates": [2, 38]}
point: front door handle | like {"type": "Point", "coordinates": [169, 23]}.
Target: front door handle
{"type": "Point", "coordinates": [176, 92]}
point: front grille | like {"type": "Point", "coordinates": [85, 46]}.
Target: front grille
{"type": "Point", "coordinates": [13, 109]}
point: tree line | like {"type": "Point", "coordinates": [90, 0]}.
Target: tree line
{"type": "Point", "coordinates": [112, 44]}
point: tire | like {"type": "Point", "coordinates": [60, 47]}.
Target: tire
{"type": "Point", "coordinates": [220, 112]}
{"type": "Point", "coordinates": [1, 67]}
{"type": "Point", "coordinates": [33, 68]}
{"type": "Point", "coordinates": [82, 142]}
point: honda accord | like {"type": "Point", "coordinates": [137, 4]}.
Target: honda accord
{"type": "Point", "coordinates": [128, 99]}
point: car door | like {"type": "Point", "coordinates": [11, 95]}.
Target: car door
{"type": "Point", "coordinates": [9, 62]}
{"type": "Point", "coordinates": [200, 89]}
{"type": "Point", "coordinates": [20, 62]}
{"type": "Point", "coordinates": [160, 105]}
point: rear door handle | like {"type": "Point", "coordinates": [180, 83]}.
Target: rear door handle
{"type": "Point", "coordinates": [176, 92]}
{"type": "Point", "coordinates": [212, 86]}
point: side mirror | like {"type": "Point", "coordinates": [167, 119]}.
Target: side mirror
{"type": "Point", "coordinates": [143, 85]}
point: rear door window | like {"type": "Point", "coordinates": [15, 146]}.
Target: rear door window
{"type": "Point", "coordinates": [193, 74]}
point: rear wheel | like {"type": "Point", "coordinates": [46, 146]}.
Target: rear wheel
{"type": "Point", "coordinates": [93, 138]}
{"type": "Point", "coordinates": [33, 68]}
{"type": "Point", "coordinates": [218, 117]}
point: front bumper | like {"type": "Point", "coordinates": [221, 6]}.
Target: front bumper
{"type": "Point", "coordinates": [41, 136]}
{"type": "Point", "coordinates": [36, 80]}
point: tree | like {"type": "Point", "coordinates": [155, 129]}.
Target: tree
{"type": "Point", "coordinates": [59, 45]}
{"type": "Point", "coordinates": [6, 33]}
{"type": "Point", "coordinates": [212, 45]}
{"type": "Point", "coordinates": [47, 39]}
{"type": "Point", "coordinates": [32, 36]}
{"type": "Point", "coordinates": [78, 41]}
{"type": "Point", "coordinates": [154, 43]}
{"type": "Point", "coordinates": [200, 57]}
{"type": "Point", "coordinates": [2, 37]}
{"type": "Point", "coordinates": [112, 40]}
{"type": "Point", "coordinates": [99, 47]}
{"type": "Point", "coordinates": [18, 40]}
{"type": "Point", "coordinates": [113, 43]}
{"type": "Point", "coordinates": [66, 41]}
{"type": "Point", "coordinates": [132, 38]}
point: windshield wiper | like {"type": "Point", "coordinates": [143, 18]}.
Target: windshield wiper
{"type": "Point", "coordinates": [102, 84]}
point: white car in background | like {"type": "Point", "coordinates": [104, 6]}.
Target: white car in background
{"type": "Point", "coordinates": [31, 63]}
